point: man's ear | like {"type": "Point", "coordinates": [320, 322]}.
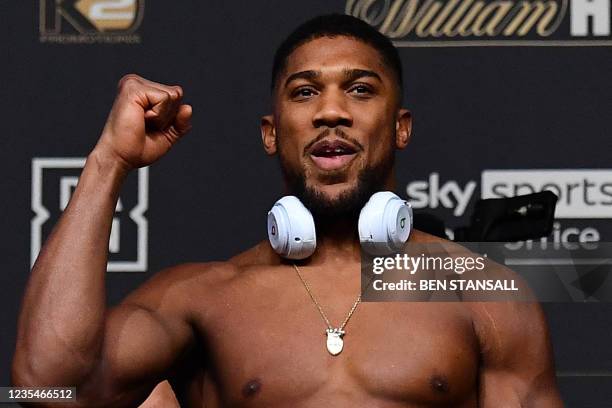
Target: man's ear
{"type": "Point", "coordinates": [403, 128]}
{"type": "Point", "coordinates": [268, 134]}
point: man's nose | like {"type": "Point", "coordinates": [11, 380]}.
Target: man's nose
{"type": "Point", "coordinates": [332, 112]}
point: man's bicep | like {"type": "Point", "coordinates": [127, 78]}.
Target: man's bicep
{"type": "Point", "coordinates": [513, 389]}
{"type": "Point", "coordinates": [144, 337]}
{"type": "Point", "coordinates": [517, 361]}
{"type": "Point", "coordinates": [141, 343]}
{"type": "Point", "coordinates": [140, 346]}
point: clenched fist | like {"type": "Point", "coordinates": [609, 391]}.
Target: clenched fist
{"type": "Point", "coordinates": [146, 120]}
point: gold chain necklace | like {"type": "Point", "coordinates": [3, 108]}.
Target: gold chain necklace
{"type": "Point", "coordinates": [335, 343]}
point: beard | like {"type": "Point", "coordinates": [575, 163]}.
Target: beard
{"type": "Point", "coordinates": [348, 204]}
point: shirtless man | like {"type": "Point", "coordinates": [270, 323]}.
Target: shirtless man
{"type": "Point", "coordinates": [245, 333]}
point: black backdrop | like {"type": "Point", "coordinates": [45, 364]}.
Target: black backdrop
{"type": "Point", "coordinates": [475, 108]}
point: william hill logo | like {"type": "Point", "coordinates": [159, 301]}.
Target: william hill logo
{"type": "Point", "coordinates": [90, 21]}
{"type": "Point", "coordinates": [431, 23]}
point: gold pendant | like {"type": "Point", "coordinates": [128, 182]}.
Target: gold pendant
{"type": "Point", "coordinates": [334, 341]}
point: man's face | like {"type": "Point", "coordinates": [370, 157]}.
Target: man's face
{"type": "Point", "coordinates": [336, 123]}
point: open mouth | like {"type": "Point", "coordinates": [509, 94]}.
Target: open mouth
{"type": "Point", "coordinates": [332, 154]}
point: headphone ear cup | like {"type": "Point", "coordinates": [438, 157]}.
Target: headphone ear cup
{"type": "Point", "coordinates": [385, 223]}
{"type": "Point", "coordinates": [291, 229]}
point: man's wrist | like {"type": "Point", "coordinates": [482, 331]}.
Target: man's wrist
{"type": "Point", "coordinates": [107, 165]}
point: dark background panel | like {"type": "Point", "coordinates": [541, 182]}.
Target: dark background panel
{"type": "Point", "coordinates": [474, 109]}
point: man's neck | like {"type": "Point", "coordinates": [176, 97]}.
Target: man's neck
{"type": "Point", "coordinates": [337, 241]}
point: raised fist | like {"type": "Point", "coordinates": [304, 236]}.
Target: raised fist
{"type": "Point", "coordinates": [146, 120]}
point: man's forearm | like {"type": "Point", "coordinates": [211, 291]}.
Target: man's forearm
{"type": "Point", "coordinates": [61, 337]}
{"type": "Point", "coordinates": [62, 318]}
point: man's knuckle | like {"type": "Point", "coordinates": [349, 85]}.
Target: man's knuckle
{"type": "Point", "coordinates": [128, 80]}
{"type": "Point", "coordinates": [172, 94]}
{"type": "Point", "coordinates": [178, 90]}
{"type": "Point", "coordinates": [167, 95]}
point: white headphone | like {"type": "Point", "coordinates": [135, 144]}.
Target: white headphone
{"type": "Point", "coordinates": [384, 225]}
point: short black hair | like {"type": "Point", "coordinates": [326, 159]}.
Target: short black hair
{"type": "Point", "coordinates": [334, 25]}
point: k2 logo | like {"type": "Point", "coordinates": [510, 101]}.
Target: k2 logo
{"type": "Point", "coordinates": [82, 21]}
{"type": "Point", "coordinates": [54, 181]}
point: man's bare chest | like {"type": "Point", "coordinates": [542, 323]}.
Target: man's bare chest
{"type": "Point", "coordinates": [268, 343]}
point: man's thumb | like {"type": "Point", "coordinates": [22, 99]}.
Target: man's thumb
{"type": "Point", "coordinates": [182, 121]}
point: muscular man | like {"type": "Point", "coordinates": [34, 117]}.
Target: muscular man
{"type": "Point", "coordinates": [245, 332]}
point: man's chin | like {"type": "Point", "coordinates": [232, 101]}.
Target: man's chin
{"type": "Point", "coordinates": [341, 198]}
{"type": "Point", "coordinates": [337, 200]}
{"type": "Point", "coordinates": [333, 192]}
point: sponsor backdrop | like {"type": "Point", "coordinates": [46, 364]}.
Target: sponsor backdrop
{"type": "Point", "coordinates": [509, 97]}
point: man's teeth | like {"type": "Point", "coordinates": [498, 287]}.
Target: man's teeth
{"type": "Point", "coordinates": [334, 152]}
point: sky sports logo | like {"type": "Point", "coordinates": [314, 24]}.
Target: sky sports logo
{"type": "Point", "coordinates": [583, 194]}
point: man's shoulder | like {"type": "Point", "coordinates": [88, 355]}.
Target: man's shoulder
{"type": "Point", "coordinates": [432, 244]}
{"type": "Point", "coordinates": [196, 275]}
{"type": "Point", "coordinates": [175, 285]}
{"type": "Point", "coordinates": [259, 255]}
{"type": "Point", "coordinates": [511, 316]}
{"type": "Point", "coordinates": [418, 236]}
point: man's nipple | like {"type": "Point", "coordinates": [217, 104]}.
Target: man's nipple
{"type": "Point", "coordinates": [251, 388]}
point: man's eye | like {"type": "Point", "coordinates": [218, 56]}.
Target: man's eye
{"type": "Point", "coordinates": [303, 93]}
{"type": "Point", "coordinates": [361, 90]}
{"type": "Point", "coordinates": [306, 92]}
